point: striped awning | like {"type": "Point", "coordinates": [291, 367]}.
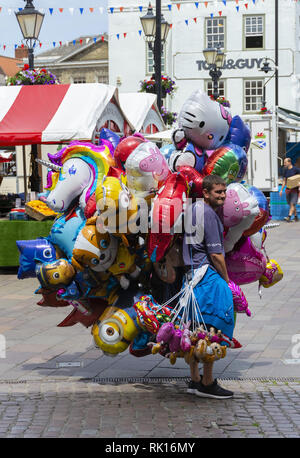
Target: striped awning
{"type": "Point", "coordinates": [42, 114]}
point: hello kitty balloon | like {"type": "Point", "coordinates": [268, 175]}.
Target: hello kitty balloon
{"type": "Point", "coordinates": [203, 125]}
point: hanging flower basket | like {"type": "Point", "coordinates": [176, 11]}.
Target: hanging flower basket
{"type": "Point", "coordinates": [167, 86]}
{"type": "Point", "coordinates": [31, 77]}
{"type": "Point", "coordinates": [169, 117]}
{"type": "Point", "coordinates": [222, 101]}
{"type": "Point", "coordinates": [264, 110]}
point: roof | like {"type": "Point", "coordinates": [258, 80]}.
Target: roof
{"type": "Point", "coordinates": [68, 49]}
{"type": "Point", "coordinates": [289, 120]}
{"type": "Point", "coordinates": [9, 65]}
{"type": "Point", "coordinates": [137, 105]}
{"type": "Point", "coordinates": [58, 113]}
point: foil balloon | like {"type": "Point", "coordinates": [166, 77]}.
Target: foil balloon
{"type": "Point", "coordinates": [245, 264]}
{"type": "Point", "coordinates": [264, 211]}
{"type": "Point", "coordinates": [272, 274]}
{"type": "Point", "coordinates": [33, 252]}
{"type": "Point", "coordinates": [239, 134]}
{"type": "Point", "coordinates": [204, 121]}
{"type": "Point", "coordinates": [194, 180]}
{"type": "Point", "coordinates": [146, 167]}
{"type": "Point", "coordinates": [65, 230]}
{"type": "Point", "coordinates": [110, 136]}
{"type": "Point", "coordinates": [239, 211]}
{"type": "Point", "coordinates": [166, 215]}
{"type": "Point", "coordinates": [240, 302]}
{"type": "Point", "coordinates": [229, 162]}
{"type": "Point", "coordinates": [56, 274]}
{"type": "Point", "coordinates": [125, 148]}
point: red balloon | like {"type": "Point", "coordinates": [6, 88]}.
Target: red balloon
{"type": "Point", "coordinates": [167, 209]}
{"type": "Point", "coordinates": [125, 148]}
{"type": "Point", "coordinates": [261, 219]}
{"type": "Point", "coordinates": [194, 179]}
{"type": "Point", "coordinates": [90, 207]}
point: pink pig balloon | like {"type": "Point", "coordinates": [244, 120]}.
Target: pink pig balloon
{"type": "Point", "coordinates": [246, 263]}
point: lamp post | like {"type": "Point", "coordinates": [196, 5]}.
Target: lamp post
{"type": "Point", "coordinates": [156, 30]}
{"type": "Point", "coordinates": [215, 59]}
{"type": "Point", "coordinates": [30, 21]}
{"type": "Point", "coordinates": [266, 69]}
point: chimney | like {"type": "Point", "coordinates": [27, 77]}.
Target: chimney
{"type": "Point", "coordinates": [21, 53]}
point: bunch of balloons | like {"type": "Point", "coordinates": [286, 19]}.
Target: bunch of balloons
{"type": "Point", "coordinates": [120, 207]}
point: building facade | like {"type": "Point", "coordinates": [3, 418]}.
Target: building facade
{"type": "Point", "coordinates": [245, 30]}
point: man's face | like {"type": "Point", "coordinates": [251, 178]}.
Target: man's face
{"type": "Point", "coordinates": [286, 163]}
{"type": "Point", "coordinates": [216, 197]}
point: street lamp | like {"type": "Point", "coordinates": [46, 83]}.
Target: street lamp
{"type": "Point", "coordinates": [215, 59]}
{"type": "Point", "coordinates": [266, 69]}
{"type": "Point", "coordinates": [30, 21]}
{"type": "Point", "coordinates": [156, 30]}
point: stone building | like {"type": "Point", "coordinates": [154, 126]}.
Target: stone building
{"type": "Point", "coordinates": [84, 60]}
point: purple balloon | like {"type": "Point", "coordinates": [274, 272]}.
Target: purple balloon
{"type": "Point", "coordinates": [245, 264]}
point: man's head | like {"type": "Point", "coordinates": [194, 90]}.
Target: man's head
{"type": "Point", "coordinates": [287, 162]}
{"type": "Point", "coordinates": [214, 191]}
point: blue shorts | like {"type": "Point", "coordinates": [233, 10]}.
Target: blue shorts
{"type": "Point", "coordinates": [214, 301]}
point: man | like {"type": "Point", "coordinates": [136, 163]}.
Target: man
{"type": "Point", "coordinates": [213, 296]}
{"type": "Point", "coordinates": [290, 194]}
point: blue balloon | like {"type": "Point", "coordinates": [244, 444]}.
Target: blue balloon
{"type": "Point", "coordinates": [65, 230]}
{"type": "Point", "coordinates": [239, 133]}
{"type": "Point", "coordinates": [31, 252]}
{"type": "Point", "coordinates": [167, 150]}
{"type": "Point", "coordinates": [112, 137]}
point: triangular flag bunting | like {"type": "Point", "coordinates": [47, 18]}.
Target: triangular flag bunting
{"type": "Point", "coordinates": [121, 9]}
{"type": "Point", "coordinates": [197, 4]}
{"type": "Point", "coordinates": [186, 21]}
{"type": "Point", "coordinates": [140, 8]}
{"type": "Point", "coordinates": [170, 7]}
{"type": "Point", "coordinates": [80, 41]}
{"type": "Point", "coordinates": [60, 10]}
{"type": "Point", "coordinates": [178, 5]}
{"type": "Point", "coordinates": [60, 43]}
{"type": "Point", "coordinates": [237, 8]}
{"type": "Point", "coordinates": [102, 38]}
{"type": "Point", "coordinates": [140, 32]}
{"type": "Point", "coordinates": [0, 9]}
{"type": "Point", "coordinates": [171, 25]}
{"type": "Point", "coordinates": [118, 36]}
{"type": "Point", "coordinates": [16, 46]}
{"type": "Point", "coordinates": [54, 43]}
{"type": "Point", "coordinates": [81, 10]}
{"type": "Point", "coordinates": [211, 15]}
{"type": "Point", "coordinates": [220, 13]}
{"type": "Point", "coordinates": [71, 11]}
{"type": "Point", "coordinates": [91, 10]}
{"type": "Point", "coordinates": [195, 19]}
{"type": "Point", "coordinates": [246, 5]}
{"type": "Point", "coordinates": [95, 39]}
{"type": "Point", "coordinates": [125, 33]}
{"type": "Point", "coordinates": [205, 3]}
{"type": "Point", "coordinates": [111, 9]}
{"type": "Point", "coordinates": [40, 45]}
{"type": "Point", "coordinates": [224, 1]}
{"type": "Point", "coordinates": [51, 10]}
{"type": "Point", "coordinates": [74, 42]}
{"type": "Point", "coordinates": [4, 46]}
{"type": "Point", "coordinates": [101, 9]}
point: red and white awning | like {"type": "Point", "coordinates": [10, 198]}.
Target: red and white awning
{"type": "Point", "coordinates": [52, 113]}
{"type": "Point", "coordinates": [6, 157]}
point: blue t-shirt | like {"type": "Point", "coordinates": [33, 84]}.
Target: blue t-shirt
{"type": "Point", "coordinates": [287, 173]}
{"type": "Point", "coordinates": [203, 235]}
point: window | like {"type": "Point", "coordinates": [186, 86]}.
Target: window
{"type": "Point", "coordinates": [215, 32]}
{"type": "Point", "coordinates": [8, 169]}
{"type": "Point", "coordinates": [79, 80]}
{"type": "Point", "coordinates": [102, 77]}
{"type": "Point", "coordinates": [254, 32]}
{"type": "Point", "coordinates": [253, 93]}
{"type": "Point", "coordinates": [150, 60]}
{"type": "Point", "coordinates": [210, 88]}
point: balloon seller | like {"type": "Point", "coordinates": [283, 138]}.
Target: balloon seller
{"type": "Point", "coordinates": [156, 291]}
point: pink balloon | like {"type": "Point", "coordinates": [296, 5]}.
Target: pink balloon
{"type": "Point", "coordinates": [240, 302]}
{"type": "Point", "coordinates": [245, 264]}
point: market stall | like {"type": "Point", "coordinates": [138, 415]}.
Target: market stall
{"type": "Point", "coordinates": [52, 114]}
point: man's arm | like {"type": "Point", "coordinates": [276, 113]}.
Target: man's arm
{"type": "Point", "coordinates": [283, 185]}
{"type": "Point", "coordinates": [218, 261]}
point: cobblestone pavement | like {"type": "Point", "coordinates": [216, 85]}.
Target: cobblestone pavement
{"type": "Point", "coordinates": [67, 409]}
{"type": "Point", "coordinates": [48, 373]}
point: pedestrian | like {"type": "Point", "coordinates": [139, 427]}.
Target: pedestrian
{"type": "Point", "coordinates": [212, 293]}
{"type": "Point", "coordinates": [291, 194]}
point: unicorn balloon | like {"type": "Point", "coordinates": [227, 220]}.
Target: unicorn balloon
{"type": "Point", "coordinates": [78, 169]}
